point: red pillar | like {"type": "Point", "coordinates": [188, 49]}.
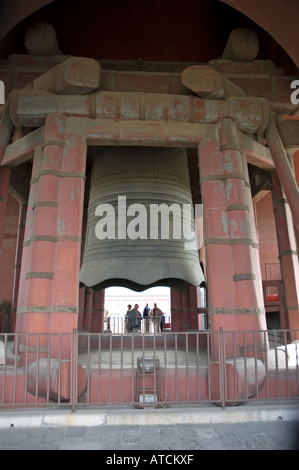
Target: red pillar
{"type": "Point", "coordinates": [176, 306]}
{"type": "Point", "coordinates": [287, 254]}
{"type": "Point", "coordinates": [81, 308]}
{"type": "Point", "coordinates": [232, 259]}
{"type": "Point", "coordinates": [88, 306]}
{"type": "Point", "coordinates": [49, 294]}
{"type": "Point", "coordinates": [193, 308]}
{"type": "Point", "coordinates": [28, 233]}
{"type": "Point", "coordinates": [190, 318]}
{"type": "Point", "coordinates": [97, 321]}
{"type": "Point", "coordinates": [184, 309]}
{"type": "Point", "coordinates": [18, 263]}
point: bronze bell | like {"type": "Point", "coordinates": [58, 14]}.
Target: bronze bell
{"type": "Point", "coordinates": [137, 218]}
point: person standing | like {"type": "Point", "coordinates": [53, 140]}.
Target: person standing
{"type": "Point", "coordinates": [162, 322]}
{"type": "Point", "coordinates": [156, 315]}
{"type": "Point", "coordinates": [146, 318]}
{"type": "Point", "coordinates": [127, 319]}
{"type": "Point", "coordinates": [135, 319]}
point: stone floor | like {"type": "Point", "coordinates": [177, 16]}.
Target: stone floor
{"type": "Point", "coordinates": [248, 427]}
{"type": "Point", "coordinates": [128, 358]}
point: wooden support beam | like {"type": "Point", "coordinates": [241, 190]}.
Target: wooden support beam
{"type": "Point", "coordinates": [149, 133]}
{"type": "Point", "coordinates": [207, 83]}
{"type": "Point", "coordinates": [31, 108]}
{"type": "Point", "coordinates": [283, 168]}
{"type": "Point", "coordinates": [256, 153]}
{"type": "Point", "coordinates": [22, 150]}
{"type": "Point", "coordinates": [135, 132]}
{"type": "Point", "coordinates": [6, 128]}
{"type": "Point", "coordinates": [76, 75]}
{"type": "Point", "coordinates": [258, 77]}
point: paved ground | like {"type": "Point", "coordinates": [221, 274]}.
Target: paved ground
{"type": "Point", "coordinates": [179, 432]}
{"type": "Point", "coordinates": [279, 435]}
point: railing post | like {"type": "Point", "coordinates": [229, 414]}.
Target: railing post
{"type": "Point", "coordinates": [222, 368]}
{"type": "Point", "coordinates": [74, 368]}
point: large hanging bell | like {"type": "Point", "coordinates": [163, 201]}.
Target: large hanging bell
{"type": "Point", "coordinates": [140, 226]}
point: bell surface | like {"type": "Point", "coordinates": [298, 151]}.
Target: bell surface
{"type": "Point", "coordinates": [140, 226]}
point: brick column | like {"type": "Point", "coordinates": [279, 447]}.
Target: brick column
{"type": "Point", "coordinates": [88, 306]}
{"type": "Point", "coordinates": [176, 306]}
{"type": "Point", "coordinates": [97, 321]}
{"type": "Point", "coordinates": [233, 270]}
{"type": "Point", "coordinates": [49, 288]}
{"type": "Point", "coordinates": [288, 254]}
{"type": "Point", "coordinates": [190, 319]}
{"type": "Point", "coordinates": [184, 309]}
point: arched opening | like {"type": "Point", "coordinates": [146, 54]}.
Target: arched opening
{"type": "Point", "coordinates": [180, 33]}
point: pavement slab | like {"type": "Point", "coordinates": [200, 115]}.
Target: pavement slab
{"type": "Point", "coordinates": [168, 432]}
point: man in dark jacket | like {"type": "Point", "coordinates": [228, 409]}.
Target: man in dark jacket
{"type": "Point", "coordinates": [146, 318]}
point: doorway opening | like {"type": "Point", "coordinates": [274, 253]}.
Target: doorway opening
{"type": "Point", "coordinates": [117, 300]}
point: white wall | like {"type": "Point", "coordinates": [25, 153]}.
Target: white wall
{"type": "Point", "coordinates": [117, 299]}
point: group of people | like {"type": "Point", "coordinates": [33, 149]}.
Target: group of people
{"type": "Point", "coordinates": [133, 319]}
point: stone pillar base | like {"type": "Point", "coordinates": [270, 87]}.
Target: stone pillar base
{"type": "Point", "coordinates": [243, 379]}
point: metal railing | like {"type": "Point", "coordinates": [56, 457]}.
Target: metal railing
{"type": "Point", "coordinates": [83, 369]}
{"type": "Point", "coordinates": [117, 324]}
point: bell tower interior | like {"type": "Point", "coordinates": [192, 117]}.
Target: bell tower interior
{"type": "Point", "coordinates": [122, 118]}
{"type": "Point", "coordinates": [146, 53]}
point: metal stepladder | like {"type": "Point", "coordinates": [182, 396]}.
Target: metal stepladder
{"type": "Point", "coordinates": [147, 381]}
